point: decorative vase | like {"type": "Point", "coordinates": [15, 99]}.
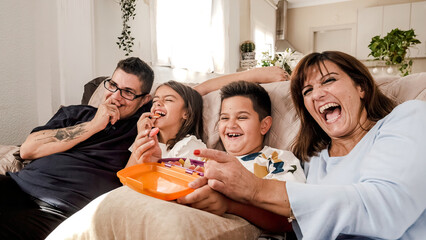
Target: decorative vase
{"type": "Point", "coordinates": [248, 55]}
{"type": "Point", "coordinates": [379, 68]}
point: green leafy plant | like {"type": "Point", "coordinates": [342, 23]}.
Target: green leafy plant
{"type": "Point", "coordinates": [125, 41]}
{"type": "Point", "coordinates": [393, 48]}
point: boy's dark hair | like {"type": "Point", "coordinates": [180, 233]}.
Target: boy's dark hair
{"type": "Point", "coordinates": [256, 93]}
{"type": "Point", "coordinates": [194, 106]}
{"type": "Point", "coordinates": [142, 70]}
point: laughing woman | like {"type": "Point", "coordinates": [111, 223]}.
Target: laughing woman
{"type": "Point", "coordinates": [364, 158]}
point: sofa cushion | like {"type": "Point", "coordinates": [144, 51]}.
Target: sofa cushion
{"type": "Point", "coordinates": [405, 88]}
{"type": "Point", "coordinates": [285, 123]}
{"type": "Point", "coordinates": [8, 161]}
{"type": "Point", "coordinates": [90, 88]}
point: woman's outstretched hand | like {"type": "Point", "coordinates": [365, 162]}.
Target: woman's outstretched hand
{"type": "Point", "coordinates": [205, 198]}
{"type": "Point", "coordinates": [227, 175]}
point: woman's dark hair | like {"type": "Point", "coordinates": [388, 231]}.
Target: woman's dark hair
{"type": "Point", "coordinates": [311, 139]}
{"type": "Point", "coordinates": [256, 93]}
{"type": "Point", "coordinates": [142, 70]}
{"type": "Point", "coordinates": [193, 103]}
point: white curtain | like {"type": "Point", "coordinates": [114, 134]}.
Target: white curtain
{"type": "Point", "coordinates": [75, 44]}
{"type": "Point", "coordinates": [189, 34]}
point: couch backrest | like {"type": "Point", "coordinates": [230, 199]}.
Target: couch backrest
{"type": "Point", "coordinates": [285, 121]}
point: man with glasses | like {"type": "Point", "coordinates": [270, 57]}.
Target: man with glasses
{"type": "Point", "coordinates": [75, 156]}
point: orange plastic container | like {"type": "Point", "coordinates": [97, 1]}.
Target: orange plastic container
{"type": "Point", "coordinates": [158, 180]}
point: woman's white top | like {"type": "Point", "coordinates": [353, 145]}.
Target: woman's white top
{"type": "Point", "coordinates": [378, 190]}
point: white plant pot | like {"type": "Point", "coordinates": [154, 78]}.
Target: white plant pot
{"type": "Point", "coordinates": [379, 68]}
{"type": "Point", "coordinates": [248, 55]}
{"type": "Point", "coordinates": [248, 64]}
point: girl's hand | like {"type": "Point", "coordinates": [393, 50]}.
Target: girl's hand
{"type": "Point", "coordinates": [146, 147]}
{"type": "Point", "coordinates": [146, 122]}
{"type": "Point", "coordinates": [206, 199]}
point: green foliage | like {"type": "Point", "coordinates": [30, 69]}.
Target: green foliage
{"type": "Point", "coordinates": [267, 60]}
{"type": "Point", "coordinates": [125, 41]}
{"type": "Point", "coordinates": [286, 60]}
{"type": "Point", "coordinates": [247, 46]}
{"type": "Point", "coordinates": [393, 48]}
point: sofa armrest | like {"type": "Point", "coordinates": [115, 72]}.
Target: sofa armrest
{"type": "Point", "coordinates": [90, 88]}
{"type": "Point", "coordinates": [8, 161]}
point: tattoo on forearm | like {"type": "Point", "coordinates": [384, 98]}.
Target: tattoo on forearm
{"type": "Point", "coordinates": [65, 134]}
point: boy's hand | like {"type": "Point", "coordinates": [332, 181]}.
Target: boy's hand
{"type": "Point", "coordinates": [206, 199]}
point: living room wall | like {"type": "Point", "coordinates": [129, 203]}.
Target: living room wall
{"type": "Point", "coordinates": [107, 27]}
{"type": "Point", "coordinates": [31, 61]}
{"type": "Point", "coordinates": [46, 57]}
{"type": "Point", "coordinates": [26, 95]}
{"type": "Point", "coordinates": [301, 20]}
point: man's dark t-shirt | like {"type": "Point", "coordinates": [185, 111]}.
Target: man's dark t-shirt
{"type": "Point", "coordinates": [71, 179]}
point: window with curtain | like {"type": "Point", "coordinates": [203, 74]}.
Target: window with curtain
{"type": "Point", "coordinates": [189, 34]}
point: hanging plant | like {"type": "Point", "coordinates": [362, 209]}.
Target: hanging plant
{"type": "Point", "coordinates": [125, 41]}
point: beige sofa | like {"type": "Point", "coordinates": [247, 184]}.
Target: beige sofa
{"type": "Point", "coordinates": [126, 214]}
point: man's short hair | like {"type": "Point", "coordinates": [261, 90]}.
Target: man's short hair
{"type": "Point", "coordinates": [256, 93]}
{"type": "Point", "coordinates": [142, 70]}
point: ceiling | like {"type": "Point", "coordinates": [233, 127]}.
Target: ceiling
{"type": "Point", "coordinates": [307, 3]}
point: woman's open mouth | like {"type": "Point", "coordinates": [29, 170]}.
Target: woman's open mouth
{"type": "Point", "coordinates": [330, 112]}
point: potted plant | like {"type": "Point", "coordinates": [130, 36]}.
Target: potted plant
{"type": "Point", "coordinates": [393, 49]}
{"type": "Point", "coordinates": [125, 41]}
{"type": "Point", "coordinates": [248, 55]}
{"type": "Point", "coordinates": [247, 50]}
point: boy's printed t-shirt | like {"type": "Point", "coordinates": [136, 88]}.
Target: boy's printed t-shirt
{"type": "Point", "coordinates": [272, 163]}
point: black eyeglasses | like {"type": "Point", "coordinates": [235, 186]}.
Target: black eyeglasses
{"type": "Point", "coordinates": [127, 94]}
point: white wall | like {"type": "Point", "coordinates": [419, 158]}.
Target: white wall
{"type": "Point", "coordinates": [75, 48]}
{"type": "Point", "coordinates": [108, 25]}
{"type": "Point", "coordinates": [302, 20]}
{"type": "Point", "coordinates": [18, 100]}
{"type": "Point", "coordinates": [45, 61]}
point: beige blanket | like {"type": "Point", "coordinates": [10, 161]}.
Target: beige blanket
{"type": "Point", "coordinates": [126, 214]}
